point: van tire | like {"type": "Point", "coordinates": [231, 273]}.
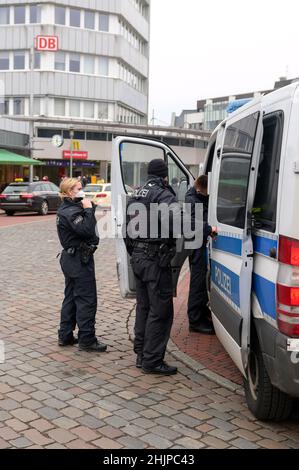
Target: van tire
{"type": "Point", "coordinates": [10, 213]}
{"type": "Point", "coordinates": [266, 402]}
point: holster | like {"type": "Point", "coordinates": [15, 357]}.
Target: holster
{"type": "Point", "coordinates": [86, 252]}
{"type": "Point", "coordinates": [166, 253]}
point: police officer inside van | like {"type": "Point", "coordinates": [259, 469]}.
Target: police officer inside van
{"type": "Point", "coordinates": [151, 257]}
{"type": "Point", "coordinates": [76, 226]}
{"type": "Point", "coordinates": [199, 314]}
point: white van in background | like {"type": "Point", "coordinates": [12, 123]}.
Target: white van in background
{"type": "Point", "coordinates": [253, 167]}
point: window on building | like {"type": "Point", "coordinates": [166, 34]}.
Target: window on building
{"type": "Point", "coordinates": [19, 60]}
{"type": "Point", "coordinates": [103, 22]}
{"type": "Point", "coordinates": [4, 60]}
{"type": "Point", "coordinates": [265, 203]}
{"type": "Point", "coordinates": [48, 133]}
{"type": "Point", "coordinates": [103, 111]}
{"type": "Point", "coordinates": [60, 61]}
{"type": "Point", "coordinates": [74, 108]}
{"type": "Point", "coordinates": [35, 13]}
{"type": "Point", "coordinates": [75, 63]}
{"type": "Point", "coordinates": [37, 106]}
{"type": "Point", "coordinates": [89, 20]}
{"type": "Point", "coordinates": [104, 66]}
{"type": "Point", "coordinates": [19, 106]}
{"type": "Point", "coordinates": [89, 64]}
{"type": "Point", "coordinates": [59, 107]}
{"type": "Point", "coordinates": [60, 15]}
{"type": "Point", "coordinates": [75, 17]}
{"type": "Point", "coordinates": [88, 109]}
{"type": "Point", "coordinates": [20, 15]}
{"type": "Point", "coordinates": [37, 60]}
{"type": "Point", "coordinates": [4, 106]}
{"type": "Point", "coordinates": [4, 15]}
{"type": "Point", "coordinates": [235, 171]}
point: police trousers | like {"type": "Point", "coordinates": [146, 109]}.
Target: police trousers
{"type": "Point", "coordinates": [198, 295]}
{"type": "Point", "coordinates": [154, 310]}
{"type": "Point", "coordinates": [80, 299]}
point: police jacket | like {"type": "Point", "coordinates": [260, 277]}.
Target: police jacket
{"type": "Point", "coordinates": [154, 193]}
{"type": "Point", "coordinates": [76, 225]}
{"type": "Point", "coordinates": [193, 197]}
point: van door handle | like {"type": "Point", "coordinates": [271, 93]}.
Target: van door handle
{"type": "Point", "coordinates": [250, 256]}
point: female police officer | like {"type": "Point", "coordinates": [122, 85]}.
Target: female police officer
{"type": "Point", "coordinates": [76, 226]}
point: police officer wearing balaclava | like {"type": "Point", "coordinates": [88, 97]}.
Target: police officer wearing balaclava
{"type": "Point", "coordinates": [151, 257]}
{"type": "Point", "coordinates": [76, 226]}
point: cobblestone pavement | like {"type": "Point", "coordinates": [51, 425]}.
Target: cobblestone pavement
{"type": "Point", "coordinates": [62, 398]}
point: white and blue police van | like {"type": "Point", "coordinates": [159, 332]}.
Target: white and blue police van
{"type": "Point", "coordinates": [253, 166]}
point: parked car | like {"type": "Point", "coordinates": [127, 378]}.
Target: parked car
{"type": "Point", "coordinates": [40, 197]}
{"type": "Point", "coordinates": [99, 194]}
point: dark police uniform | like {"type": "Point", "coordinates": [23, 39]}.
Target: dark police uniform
{"type": "Point", "coordinates": [198, 296]}
{"type": "Point", "coordinates": [151, 265]}
{"type": "Point", "coordinates": [77, 233]}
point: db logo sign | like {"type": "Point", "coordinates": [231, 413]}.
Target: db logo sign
{"type": "Point", "coordinates": [46, 43]}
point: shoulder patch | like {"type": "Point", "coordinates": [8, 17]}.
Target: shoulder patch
{"type": "Point", "coordinates": [78, 220]}
{"type": "Point", "coordinates": [57, 220]}
{"type": "Point", "coordinates": [142, 193]}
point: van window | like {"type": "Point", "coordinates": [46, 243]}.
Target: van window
{"type": "Point", "coordinates": [265, 203]}
{"type": "Point", "coordinates": [210, 157]}
{"type": "Point", "coordinates": [235, 170]}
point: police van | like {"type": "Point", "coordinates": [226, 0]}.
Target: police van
{"type": "Point", "coordinates": [253, 166]}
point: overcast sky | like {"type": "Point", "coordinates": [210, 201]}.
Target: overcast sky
{"type": "Point", "coordinates": [209, 48]}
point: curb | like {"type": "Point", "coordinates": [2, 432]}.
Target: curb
{"type": "Point", "coordinates": [195, 366]}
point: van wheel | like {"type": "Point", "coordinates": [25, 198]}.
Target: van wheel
{"type": "Point", "coordinates": [44, 208]}
{"type": "Point", "coordinates": [265, 401]}
{"type": "Point", "coordinates": [9, 213]}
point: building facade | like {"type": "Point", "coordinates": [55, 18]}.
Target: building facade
{"type": "Point", "coordinates": [100, 70]}
{"type": "Point", "coordinates": [210, 112]}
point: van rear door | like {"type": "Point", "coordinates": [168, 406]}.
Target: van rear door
{"type": "Point", "coordinates": [232, 191]}
{"type": "Point", "coordinates": [130, 159]}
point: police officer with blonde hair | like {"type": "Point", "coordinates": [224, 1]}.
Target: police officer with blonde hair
{"type": "Point", "coordinates": [76, 226]}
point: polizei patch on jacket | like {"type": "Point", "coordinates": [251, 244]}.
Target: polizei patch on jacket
{"type": "Point", "coordinates": [78, 220]}
{"type": "Point", "coordinates": [143, 193]}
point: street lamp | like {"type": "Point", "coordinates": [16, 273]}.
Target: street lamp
{"type": "Point", "coordinates": [72, 133]}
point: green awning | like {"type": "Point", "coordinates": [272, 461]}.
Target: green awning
{"type": "Point", "coordinates": [10, 158]}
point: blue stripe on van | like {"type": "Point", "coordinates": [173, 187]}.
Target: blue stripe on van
{"type": "Point", "coordinates": [228, 244]}
{"type": "Point", "coordinates": [265, 292]}
{"type": "Point", "coordinates": [227, 281]}
{"type": "Point", "coordinates": [264, 245]}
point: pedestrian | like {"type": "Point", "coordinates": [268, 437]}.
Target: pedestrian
{"type": "Point", "coordinates": [150, 260]}
{"type": "Point", "coordinates": [76, 226]}
{"type": "Point", "coordinates": [84, 181]}
{"type": "Point", "coordinates": [199, 314]}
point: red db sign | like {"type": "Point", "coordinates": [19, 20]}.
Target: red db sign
{"type": "Point", "coordinates": [46, 43]}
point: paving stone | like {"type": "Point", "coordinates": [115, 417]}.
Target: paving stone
{"type": "Point", "coordinates": [243, 444]}
{"type": "Point", "coordinates": [24, 415]}
{"type": "Point", "coordinates": [105, 443]}
{"type": "Point", "coordinates": [188, 443]}
{"type": "Point", "coordinates": [155, 441]}
{"type": "Point", "coordinates": [21, 443]}
{"type": "Point", "coordinates": [61, 436]}
{"type": "Point", "coordinates": [131, 443]}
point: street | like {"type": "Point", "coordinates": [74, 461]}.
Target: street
{"type": "Point", "coordinates": [62, 398]}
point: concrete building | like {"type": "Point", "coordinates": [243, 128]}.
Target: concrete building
{"type": "Point", "coordinates": [99, 72]}
{"type": "Point", "coordinates": [210, 112]}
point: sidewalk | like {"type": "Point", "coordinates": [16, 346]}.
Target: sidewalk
{"type": "Point", "coordinates": [207, 351]}
{"type": "Point", "coordinates": [63, 398]}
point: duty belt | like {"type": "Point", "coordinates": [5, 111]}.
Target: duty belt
{"type": "Point", "coordinates": [148, 247]}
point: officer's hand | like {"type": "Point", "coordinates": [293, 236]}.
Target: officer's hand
{"type": "Point", "coordinates": [86, 203]}
{"type": "Point", "coordinates": [214, 233]}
